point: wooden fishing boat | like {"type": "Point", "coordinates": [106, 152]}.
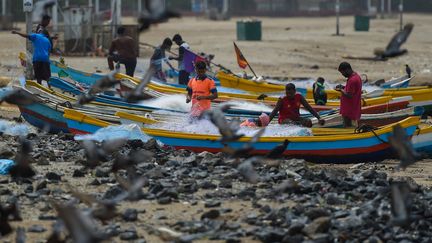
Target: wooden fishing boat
{"type": "Point", "coordinates": [223, 96]}
{"type": "Point", "coordinates": [362, 147]}
{"type": "Point", "coordinates": [422, 139]}
{"type": "Point", "coordinates": [420, 97]}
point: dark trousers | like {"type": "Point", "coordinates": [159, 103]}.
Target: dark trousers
{"type": "Point", "coordinates": [183, 77]}
{"type": "Point", "coordinates": [130, 64]}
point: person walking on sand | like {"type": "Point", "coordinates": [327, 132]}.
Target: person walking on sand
{"type": "Point", "coordinates": [41, 52]}
{"type": "Point", "coordinates": [123, 50]}
{"type": "Point", "coordinates": [350, 102]}
{"type": "Point", "coordinates": [201, 90]}
{"type": "Point", "coordinates": [319, 94]}
{"type": "Point", "coordinates": [183, 74]}
{"type": "Point", "coordinates": [288, 108]}
{"type": "Point", "coordinates": [158, 57]}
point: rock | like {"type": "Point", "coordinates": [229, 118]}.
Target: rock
{"type": "Point", "coordinates": [164, 200]}
{"type": "Point", "coordinates": [212, 204]}
{"type": "Point", "coordinates": [52, 176]}
{"type": "Point", "coordinates": [333, 199]}
{"type": "Point", "coordinates": [295, 228]}
{"type": "Point", "coordinates": [41, 185]}
{"type": "Point", "coordinates": [5, 151]}
{"type": "Point", "coordinates": [102, 172]}
{"type": "Point", "coordinates": [315, 67]}
{"type": "Point", "coordinates": [128, 236]}
{"type": "Point", "coordinates": [270, 235]}
{"type": "Point", "coordinates": [95, 182]}
{"type": "Point", "coordinates": [36, 229]}
{"type": "Point", "coordinates": [319, 225]}
{"type": "Point", "coordinates": [113, 192]}
{"type": "Point", "coordinates": [212, 214]}
{"type": "Point", "coordinates": [208, 185]}
{"type": "Point", "coordinates": [78, 173]}
{"type": "Point", "coordinates": [314, 213]}
{"type": "Point", "coordinates": [130, 214]}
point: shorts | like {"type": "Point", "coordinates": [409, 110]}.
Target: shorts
{"type": "Point", "coordinates": [42, 71]}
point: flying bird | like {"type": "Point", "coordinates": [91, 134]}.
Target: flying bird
{"type": "Point", "coordinates": [81, 227]}
{"type": "Point", "coordinates": [20, 97]}
{"type": "Point", "coordinates": [246, 148]}
{"type": "Point", "coordinates": [228, 130]}
{"type": "Point", "coordinates": [247, 170]}
{"type": "Point", "coordinates": [401, 143]}
{"type": "Point", "coordinates": [134, 157]}
{"type": "Point", "coordinates": [99, 86]}
{"type": "Point", "coordinates": [400, 203]}
{"type": "Point", "coordinates": [278, 151]}
{"type": "Point", "coordinates": [137, 94]}
{"type": "Point", "coordinates": [22, 167]}
{"type": "Point", "coordinates": [95, 153]}
{"type": "Point", "coordinates": [155, 12]}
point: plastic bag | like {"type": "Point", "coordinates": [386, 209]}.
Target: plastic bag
{"type": "Point", "coordinates": [5, 165]}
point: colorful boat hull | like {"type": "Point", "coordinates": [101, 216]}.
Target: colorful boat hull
{"type": "Point", "coordinates": [44, 118]}
{"type": "Point", "coordinates": [322, 149]}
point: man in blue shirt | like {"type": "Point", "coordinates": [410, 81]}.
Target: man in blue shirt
{"type": "Point", "coordinates": [41, 50]}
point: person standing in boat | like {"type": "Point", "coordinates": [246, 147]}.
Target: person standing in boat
{"type": "Point", "coordinates": [41, 52]}
{"type": "Point", "coordinates": [158, 57]}
{"type": "Point", "coordinates": [350, 102]}
{"type": "Point", "coordinates": [183, 74]}
{"type": "Point", "coordinates": [288, 108]}
{"type": "Point", "coordinates": [123, 50]}
{"type": "Point", "coordinates": [319, 94]}
{"type": "Point", "coordinates": [201, 90]}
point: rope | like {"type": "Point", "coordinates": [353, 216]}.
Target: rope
{"type": "Point", "coordinates": [368, 128]}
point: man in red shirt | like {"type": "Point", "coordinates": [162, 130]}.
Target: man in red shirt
{"type": "Point", "coordinates": [288, 108]}
{"type": "Point", "coordinates": [201, 90]}
{"type": "Point", "coordinates": [350, 103]}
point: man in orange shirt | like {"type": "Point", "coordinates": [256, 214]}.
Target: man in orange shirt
{"type": "Point", "coordinates": [201, 90]}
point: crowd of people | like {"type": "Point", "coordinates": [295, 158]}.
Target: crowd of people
{"type": "Point", "coordinates": [201, 88]}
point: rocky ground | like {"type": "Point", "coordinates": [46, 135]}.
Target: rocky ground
{"type": "Point", "coordinates": [201, 197]}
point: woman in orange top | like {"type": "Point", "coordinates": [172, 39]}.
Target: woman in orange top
{"type": "Point", "coordinates": [201, 90]}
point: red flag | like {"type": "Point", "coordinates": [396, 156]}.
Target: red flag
{"type": "Point", "coordinates": [241, 60]}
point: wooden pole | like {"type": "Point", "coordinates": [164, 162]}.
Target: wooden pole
{"type": "Point", "coordinates": [389, 7]}
{"type": "Point", "coordinates": [55, 16]}
{"type": "Point", "coordinates": [337, 8]}
{"type": "Point", "coordinates": [382, 9]}
{"type": "Point", "coordinates": [3, 7]}
{"type": "Point", "coordinates": [401, 15]}
{"type": "Point", "coordinates": [29, 66]}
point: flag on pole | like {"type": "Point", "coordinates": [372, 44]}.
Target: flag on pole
{"type": "Point", "coordinates": [241, 60]}
{"type": "Point", "coordinates": [189, 60]}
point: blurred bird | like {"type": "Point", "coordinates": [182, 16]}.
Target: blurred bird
{"type": "Point", "coordinates": [228, 130]}
{"type": "Point", "coordinates": [262, 97]}
{"type": "Point", "coordinates": [80, 226]}
{"type": "Point", "coordinates": [99, 86]}
{"type": "Point", "coordinates": [102, 210]}
{"type": "Point", "coordinates": [22, 167]}
{"type": "Point", "coordinates": [134, 157]}
{"type": "Point", "coordinates": [96, 153]}
{"type": "Point", "coordinates": [20, 97]}
{"type": "Point", "coordinates": [41, 7]}
{"type": "Point", "coordinates": [20, 235]}
{"type": "Point", "coordinates": [401, 143]}
{"type": "Point", "coordinates": [133, 189]}
{"type": "Point", "coordinates": [246, 148]}
{"type": "Point", "coordinates": [408, 70]}
{"type": "Point", "coordinates": [278, 151]}
{"type": "Point", "coordinates": [55, 236]}
{"type": "Point", "coordinates": [137, 94]}
{"type": "Point", "coordinates": [5, 227]}
{"type": "Point", "coordinates": [247, 170]}
{"type": "Point", "coordinates": [155, 12]}
{"type": "Point", "coordinates": [400, 203]}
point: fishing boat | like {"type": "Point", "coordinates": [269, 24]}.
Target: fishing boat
{"type": "Point", "coordinates": [362, 147]}
{"type": "Point", "coordinates": [422, 139]}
